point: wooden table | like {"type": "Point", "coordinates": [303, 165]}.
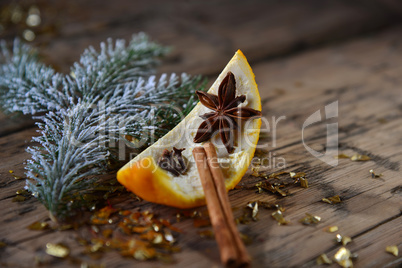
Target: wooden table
{"type": "Point", "coordinates": [305, 56]}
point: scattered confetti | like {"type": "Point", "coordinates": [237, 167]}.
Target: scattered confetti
{"type": "Point", "coordinates": [323, 259]}
{"type": "Point", "coordinates": [146, 237]}
{"type": "Point", "coordinates": [332, 200]}
{"type": "Point", "coordinates": [360, 157]}
{"type": "Point", "coordinates": [343, 239]}
{"type": "Point", "coordinates": [278, 216]}
{"type": "Point", "coordinates": [310, 219]}
{"type": "Point", "coordinates": [57, 250]}
{"type": "Point", "coordinates": [332, 229]}
{"type": "Point", "coordinates": [393, 250]}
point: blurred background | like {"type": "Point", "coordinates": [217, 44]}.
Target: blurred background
{"type": "Point", "coordinates": [203, 34]}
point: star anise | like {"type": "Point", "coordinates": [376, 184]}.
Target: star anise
{"type": "Point", "coordinates": [225, 113]}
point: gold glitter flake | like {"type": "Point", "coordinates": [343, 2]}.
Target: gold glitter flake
{"type": "Point", "coordinates": [38, 226]}
{"type": "Point", "coordinates": [332, 229]}
{"type": "Point", "coordinates": [57, 250]}
{"type": "Point", "coordinates": [339, 156]}
{"type": "Point", "coordinates": [332, 200]}
{"type": "Point", "coordinates": [254, 210]}
{"type": "Point", "coordinates": [323, 259]}
{"type": "Point", "coordinates": [374, 175]}
{"type": "Point", "coordinates": [343, 239]}
{"type": "Point", "coordinates": [278, 216]}
{"type": "Point", "coordinates": [344, 257]}
{"type": "Point", "coordinates": [206, 234]}
{"type": "Point", "coordinates": [360, 157]}
{"type": "Point", "coordinates": [310, 219]}
{"type": "Point", "coordinates": [201, 222]}
{"type": "Point", "coordinates": [393, 250]}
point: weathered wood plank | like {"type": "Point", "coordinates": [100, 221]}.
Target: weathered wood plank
{"type": "Point", "coordinates": [364, 77]}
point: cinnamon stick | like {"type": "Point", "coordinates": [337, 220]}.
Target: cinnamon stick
{"type": "Point", "coordinates": [232, 250]}
{"type": "Point", "coordinates": [219, 180]}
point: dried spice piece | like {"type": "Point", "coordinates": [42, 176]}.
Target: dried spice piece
{"type": "Point", "coordinates": [344, 257]}
{"type": "Point", "coordinates": [373, 175]}
{"type": "Point", "coordinates": [256, 173]}
{"type": "Point", "coordinates": [206, 233]}
{"type": "Point", "coordinates": [2, 244]}
{"type": "Point", "coordinates": [332, 200]}
{"type": "Point", "coordinates": [147, 237]}
{"type": "Point", "coordinates": [201, 223]}
{"type": "Point", "coordinates": [38, 226]}
{"type": "Point", "coordinates": [310, 219]}
{"type": "Point", "coordinates": [266, 186]}
{"type": "Point", "coordinates": [360, 157]}
{"type": "Point", "coordinates": [226, 113]}
{"type": "Point", "coordinates": [246, 239]}
{"type": "Point", "coordinates": [173, 161]}
{"type": "Point", "coordinates": [169, 237]}
{"type": "Point", "coordinates": [332, 229]}
{"type": "Point", "coordinates": [299, 177]}
{"type": "Point", "coordinates": [19, 198]}
{"type": "Point", "coordinates": [393, 250]}
{"type": "Point", "coordinates": [342, 156]}
{"type": "Point", "coordinates": [278, 216]}
{"type": "Point", "coordinates": [343, 239]}
{"type": "Point", "coordinates": [254, 210]}
{"type": "Point", "coordinates": [267, 205]}
{"type": "Point", "coordinates": [303, 182]}
{"type": "Point", "coordinates": [107, 233]}
{"type": "Point", "coordinates": [323, 259]}
{"type": "Point", "coordinates": [250, 211]}
{"type": "Point", "coordinates": [103, 216]}
{"type": "Point", "coordinates": [140, 229]}
{"type": "Point", "coordinates": [277, 174]}
{"type": "Point", "coordinates": [57, 250]}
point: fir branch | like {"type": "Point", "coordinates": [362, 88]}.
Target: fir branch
{"type": "Point", "coordinates": [24, 79]}
{"type": "Point", "coordinates": [30, 87]}
{"type": "Point", "coordinates": [75, 144]}
{"type": "Point", "coordinates": [115, 64]}
{"type": "Point", "coordinates": [108, 95]}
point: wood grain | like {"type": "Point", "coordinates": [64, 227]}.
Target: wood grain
{"type": "Point", "coordinates": [362, 74]}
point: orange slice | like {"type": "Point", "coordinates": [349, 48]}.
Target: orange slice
{"type": "Point", "coordinates": [146, 179]}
